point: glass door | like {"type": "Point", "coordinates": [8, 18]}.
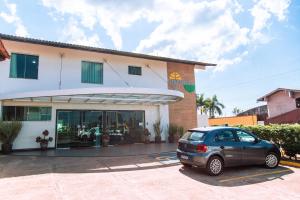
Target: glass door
{"type": "Point", "coordinates": [79, 128]}
{"type": "Point", "coordinates": [67, 126]}
{"type": "Point", "coordinates": [91, 128]}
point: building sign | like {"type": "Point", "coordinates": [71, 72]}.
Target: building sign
{"type": "Point", "coordinates": [175, 80]}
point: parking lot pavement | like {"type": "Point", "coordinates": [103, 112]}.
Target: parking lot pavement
{"type": "Point", "coordinates": [138, 177]}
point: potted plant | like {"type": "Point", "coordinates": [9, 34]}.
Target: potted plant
{"type": "Point", "coordinates": [180, 132]}
{"type": "Point", "coordinates": [8, 133]}
{"type": "Point", "coordinates": [158, 130]}
{"type": "Point", "coordinates": [105, 139]}
{"type": "Point", "coordinates": [44, 140]}
{"type": "Point", "coordinates": [173, 133]}
{"type": "Point", "coordinates": [147, 136]}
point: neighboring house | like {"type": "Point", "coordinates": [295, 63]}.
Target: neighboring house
{"type": "Point", "coordinates": [72, 89]}
{"type": "Point", "coordinates": [260, 111]}
{"type": "Point", "coordinates": [283, 105]}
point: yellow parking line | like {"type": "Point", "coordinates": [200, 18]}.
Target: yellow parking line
{"type": "Point", "coordinates": [254, 175]}
{"type": "Point", "coordinates": [288, 163]}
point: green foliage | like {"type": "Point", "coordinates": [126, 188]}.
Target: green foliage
{"type": "Point", "coordinates": [211, 106]}
{"type": "Point", "coordinates": [181, 131]}
{"type": "Point", "coordinates": [9, 131]}
{"type": "Point", "coordinates": [285, 135]}
{"type": "Point", "coordinates": [157, 128]}
{"type": "Point", "coordinates": [173, 128]}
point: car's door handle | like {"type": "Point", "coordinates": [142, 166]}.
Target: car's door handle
{"type": "Point", "coordinates": [222, 147]}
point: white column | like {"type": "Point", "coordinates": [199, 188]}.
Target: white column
{"type": "Point", "coordinates": [0, 110]}
{"type": "Point", "coordinates": [164, 120]}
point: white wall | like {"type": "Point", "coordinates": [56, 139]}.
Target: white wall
{"type": "Point", "coordinates": [202, 120]}
{"type": "Point", "coordinates": [30, 130]}
{"type": "Point", "coordinates": [48, 79]}
{"type": "Point", "coordinates": [49, 67]}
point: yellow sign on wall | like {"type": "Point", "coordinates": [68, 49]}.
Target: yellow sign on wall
{"type": "Point", "coordinates": [176, 79]}
{"type": "Point", "coordinates": [175, 76]}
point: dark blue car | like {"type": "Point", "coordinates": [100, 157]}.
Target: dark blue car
{"type": "Point", "coordinates": [214, 148]}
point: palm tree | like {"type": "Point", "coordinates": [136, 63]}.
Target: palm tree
{"type": "Point", "coordinates": [214, 106]}
{"type": "Point", "coordinates": [202, 103]}
{"type": "Point", "coordinates": [236, 111]}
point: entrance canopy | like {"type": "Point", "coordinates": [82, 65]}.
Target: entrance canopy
{"type": "Point", "coordinates": [103, 95]}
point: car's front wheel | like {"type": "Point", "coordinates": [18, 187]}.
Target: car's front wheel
{"type": "Point", "coordinates": [215, 166]}
{"type": "Point", "coordinates": [271, 160]}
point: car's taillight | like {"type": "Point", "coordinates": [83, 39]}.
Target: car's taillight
{"type": "Point", "coordinates": [201, 148]}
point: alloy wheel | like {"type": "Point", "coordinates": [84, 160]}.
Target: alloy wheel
{"type": "Point", "coordinates": [271, 160]}
{"type": "Point", "coordinates": [215, 166]}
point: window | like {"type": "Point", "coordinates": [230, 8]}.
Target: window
{"type": "Point", "coordinates": [194, 136]}
{"type": "Point", "coordinates": [133, 70]}
{"type": "Point", "coordinates": [245, 137]}
{"type": "Point", "coordinates": [91, 72]}
{"type": "Point", "coordinates": [24, 66]}
{"type": "Point", "coordinates": [225, 136]}
{"type": "Point", "coordinates": [298, 102]}
{"type": "Point", "coordinates": [22, 113]}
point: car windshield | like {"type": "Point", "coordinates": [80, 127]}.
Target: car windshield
{"type": "Point", "coordinates": [194, 136]}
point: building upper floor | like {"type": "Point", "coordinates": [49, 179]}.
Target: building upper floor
{"type": "Point", "coordinates": [281, 100]}
{"type": "Point", "coordinates": [35, 65]}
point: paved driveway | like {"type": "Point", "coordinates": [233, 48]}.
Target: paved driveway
{"type": "Point", "coordinates": [137, 177]}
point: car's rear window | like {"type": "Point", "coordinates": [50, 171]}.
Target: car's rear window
{"type": "Point", "coordinates": [194, 136]}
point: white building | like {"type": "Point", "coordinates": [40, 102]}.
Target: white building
{"type": "Point", "coordinates": [74, 91]}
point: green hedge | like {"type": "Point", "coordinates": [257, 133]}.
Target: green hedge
{"type": "Point", "coordinates": [285, 135]}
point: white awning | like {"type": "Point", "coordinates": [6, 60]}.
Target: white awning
{"type": "Point", "coordinates": [103, 95]}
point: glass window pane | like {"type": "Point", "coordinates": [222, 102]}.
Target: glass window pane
{"type": "Point", "coordinates": [9, 113]}
{"type": "Point", "coordinates": [245, 137]}
{"type": "Point", "coordinates": [91, 72]}
{"type": "Point", "coordinates": [134, 70]}
{"type": "Point", "coordinates": [31, 71]}
{"type": "Point", "coordinates": [225, 136]}
{"type": "Point", "coordinates": [24, 66]}
{"type": "Point", "coordinates": [33, 114]}
{"type": "Point", "coordinates": [20, 113]}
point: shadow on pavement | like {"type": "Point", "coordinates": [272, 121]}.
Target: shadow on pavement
{"type": "Point", "coordinates": [237, 176]}
{"type": "Point", "coordinates": [15, 166]}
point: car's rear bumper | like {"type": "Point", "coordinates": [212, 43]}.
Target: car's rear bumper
{"type": "Point", "coordinates": [198, 159]}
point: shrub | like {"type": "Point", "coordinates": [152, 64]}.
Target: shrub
{"type": "Point", "coordinates": [285, 135]}
{"type": "Point", "coordinates": [9, 131]}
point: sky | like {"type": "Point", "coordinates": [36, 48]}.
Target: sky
{"type": "Point", "coordinates": [255, 43]}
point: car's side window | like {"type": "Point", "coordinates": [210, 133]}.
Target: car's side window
{"type": "Point", "coordinates": [225, 136]}
{"type": "Point", "coordinates": [244, 136]}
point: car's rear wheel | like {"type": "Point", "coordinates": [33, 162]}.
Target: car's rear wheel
{"type": "Point", "coordinates": [186, 165]}
{"type": "Point", "coordinates": [215, 166]}
{"type": "Point", "coordinates": [271, 160]}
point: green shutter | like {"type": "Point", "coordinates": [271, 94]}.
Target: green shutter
{"type": "Point", "coordinates": [91, 72]}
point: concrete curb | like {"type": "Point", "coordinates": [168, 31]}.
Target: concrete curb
{"type": "Point", "coordinates": [290, 163]}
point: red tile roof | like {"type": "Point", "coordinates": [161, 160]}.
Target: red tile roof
{"type": "Point", "coordinates": [3, 53]}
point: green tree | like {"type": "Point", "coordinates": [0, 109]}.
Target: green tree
{"type": "Point", "coordinates": [202, 103]}
{"type": "Point", "coordinates": [236, 111]}
{"type": "Point", "coordinates": [214, 106]}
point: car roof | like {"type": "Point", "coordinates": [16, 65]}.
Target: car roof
{"type": "Point", "coordinates": [212, 128]}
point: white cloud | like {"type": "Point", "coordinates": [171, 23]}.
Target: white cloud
{"type": "Point", "coordinates": [12, 18]}
{"type": "Point", "coordinates": [73, 34]}
{"type": "Point", "coordinates": [262, 12]}
{"type": "Point", "coordinates": [111, 15]}
{"type": "Point", "coordinates": [206, 30]}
